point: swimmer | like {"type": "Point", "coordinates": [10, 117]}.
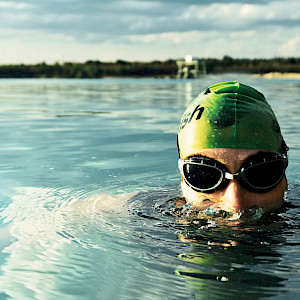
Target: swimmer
{"type": "Point", "coordinates": [232, 155]}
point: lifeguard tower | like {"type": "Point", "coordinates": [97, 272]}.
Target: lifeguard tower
{"type": "Point", "coordinates": [191, 67]}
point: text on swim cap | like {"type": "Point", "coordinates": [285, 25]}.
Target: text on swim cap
{"type": "Point", "coordinates": [187, 118]}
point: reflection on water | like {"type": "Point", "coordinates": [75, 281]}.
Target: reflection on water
{"type": "Point", "coordinates": [106, 246]}
{"type": "Point", "coordinates": [189, 97]}
{"type": "Point", "coordinates": [224, 258]}
{"type": "Point", "coordinates": [88, 173]}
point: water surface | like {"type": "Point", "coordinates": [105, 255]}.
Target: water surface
{"type": "Point", "coordinates": [87, 171]}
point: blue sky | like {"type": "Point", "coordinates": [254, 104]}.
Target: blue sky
{"type": "Point", "coordinates": [33, 31]}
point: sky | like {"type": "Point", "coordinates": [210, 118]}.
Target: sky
{"type": "Point", "coordinates": [34, 31]}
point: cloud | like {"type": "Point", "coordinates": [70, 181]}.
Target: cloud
{"type": "Point", "coordinates": [291, 47]}
{"type": "Point", "coordinates": [119, 17]}
{"type": "Point", "coordinates": [13, 5]}
{"type": "Point", "coordinates": [106, 28]}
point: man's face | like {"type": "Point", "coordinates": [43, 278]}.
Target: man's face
{"type": "Point", "coordinates": [233, 197]}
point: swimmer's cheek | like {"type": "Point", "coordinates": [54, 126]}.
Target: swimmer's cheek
{"type": "Point", "coordinates": [232, 201]}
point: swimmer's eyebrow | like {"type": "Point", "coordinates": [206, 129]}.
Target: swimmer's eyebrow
{"type": "Point", "coordinates": [198, 156]}
{"type": "Point", "coordinates": [258, 154]}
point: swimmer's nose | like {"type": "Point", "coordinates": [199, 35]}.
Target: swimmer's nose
{"type": "Point", "coordinates": [233, 198]}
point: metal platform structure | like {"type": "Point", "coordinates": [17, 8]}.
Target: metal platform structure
{"type": "Point", "coordinates": [191, 67]}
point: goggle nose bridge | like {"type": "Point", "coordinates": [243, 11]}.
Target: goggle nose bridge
{"type": "Point", "coordinates": [230, 176]}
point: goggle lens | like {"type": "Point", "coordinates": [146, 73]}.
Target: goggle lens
{"type": "Point", "coordinates": [203, 176]}
{"type": "Point", "coordinates": [206, 175]}
{"type": "Point", "coordinates": [265, 175]}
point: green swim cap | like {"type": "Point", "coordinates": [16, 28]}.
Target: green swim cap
{"type": "Point", "coordinates": [229, 115]}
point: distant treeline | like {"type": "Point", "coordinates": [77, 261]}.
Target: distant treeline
{"type": "Point", "coordinates": [168, 68]}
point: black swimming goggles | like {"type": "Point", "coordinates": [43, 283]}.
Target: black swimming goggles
{"type": "Point", "coordinates": [259, 173]}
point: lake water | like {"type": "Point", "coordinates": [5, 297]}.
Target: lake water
{"type": "Point", "coordinates": [87, 170]}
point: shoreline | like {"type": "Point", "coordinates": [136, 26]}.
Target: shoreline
{"type": "Point", "coordinates": [279, 75]}
{"type": "Point", "coordinates": [269, 75]}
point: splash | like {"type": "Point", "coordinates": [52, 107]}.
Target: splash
{"type": "Point", "coordinates": [250, 214]}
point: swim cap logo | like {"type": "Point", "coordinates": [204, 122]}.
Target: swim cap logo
{"type": "Point", "coordinates": [187, 118]}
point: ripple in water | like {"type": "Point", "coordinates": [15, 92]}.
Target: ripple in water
{"type": "Point", "coordinates": [142, 244]}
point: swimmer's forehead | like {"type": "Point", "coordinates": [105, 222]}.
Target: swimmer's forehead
{"type": "Point", "coordinates": [224, 153]}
